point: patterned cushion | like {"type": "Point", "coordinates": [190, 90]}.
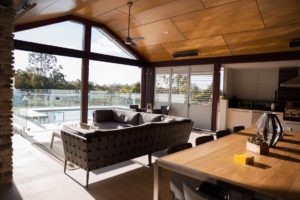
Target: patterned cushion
{"type": "Point", "coordinates": [131, 118]}
{"type": "Point", "coordinates": [103, 115]}
{"type": "Point", "coordinates": [118, 116]}
{"type": "Point", "coordinates": [149, 117]}
{"type": "Point", "coordinates": [126, 117]}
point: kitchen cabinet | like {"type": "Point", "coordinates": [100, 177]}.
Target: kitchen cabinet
{"type": "Point", "coordinates": [288, 125]}
{"type": "Point", "coordinates": [252, 83]}
{"type": "Point", "coordinates": [248, 118]}
{"type": "Point", "coordinates": [238, 117]}
{"type": "Point", "coordinates": [256, 114]}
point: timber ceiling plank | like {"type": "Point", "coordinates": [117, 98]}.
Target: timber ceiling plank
{"type": "Point", "coordinates": [247, 26]}
{"type": "Point", "coordinates": [214, 3]}
{"type": "Point", "coordinates": [155, 33]}
{"type": "Point", "coordinates": [279, 12]}
{"type": "Point", "coordinates": [230, 18]}
{"type": "Point", "coordinates": [207, 47]}
{"type": "Point", "coordinates": [263, 41]}
{"type": "Point", "coordinates": [154, 53]}
{"type": "Point", "coordinates": [170, 9]}
{"type": "Point", "coordinates": [122, 24]}
{"type": "Point", "coordinates": [117, 20]}
{"type": "Point", "coordinates": [96, 8]}
{"type": "Point", "coordinates": [143, 5]}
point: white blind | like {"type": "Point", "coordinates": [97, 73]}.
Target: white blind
{"type": "Point", "coordinates": [179, 87]}
{"type": "Point", "coordinates": [201, 87]}
{"type": "Point", "coordinates": [162, 89]}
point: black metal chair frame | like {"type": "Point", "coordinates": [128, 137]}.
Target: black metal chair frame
{"type": "Point", "coordinates": [222, 133]}
{"type": "Point", "coordinates": [204, 139]}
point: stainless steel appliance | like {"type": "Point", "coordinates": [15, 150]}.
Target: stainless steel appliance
{"type": "Point", "coordinates": [292, 111]}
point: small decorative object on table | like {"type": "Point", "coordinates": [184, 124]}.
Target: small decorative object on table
{"type": "Point", "coordinates": [268, 128]}
{"type": "Point", "coordinates": [244, 159]}
{"type": "Point", "coordinates": [257, 145]}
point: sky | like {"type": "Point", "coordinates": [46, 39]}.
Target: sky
{"type": "Point", "coordinates": [59, 35]}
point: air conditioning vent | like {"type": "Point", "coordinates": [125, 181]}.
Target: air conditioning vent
{"type": "Point", "coordinates": [185, 53]}
{"type": "Point", "coordinates": [295, 43]}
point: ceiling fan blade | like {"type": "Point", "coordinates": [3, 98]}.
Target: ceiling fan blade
{"type": "Point", "coordinates": [137, 38]}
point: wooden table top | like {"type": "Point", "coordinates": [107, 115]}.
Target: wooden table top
{"type": "Point", "coordinates": [277, 174]}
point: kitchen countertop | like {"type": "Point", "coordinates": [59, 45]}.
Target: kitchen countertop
{"type": "Point", "coordinates": [262, 110]}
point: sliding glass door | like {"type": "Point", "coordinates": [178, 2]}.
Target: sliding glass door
{"type": "Point", "coordinates": [188, 90]}
{"type": "Point", "coordinates": [200, 101]}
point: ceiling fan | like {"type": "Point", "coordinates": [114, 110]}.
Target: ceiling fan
{"type": "Point", "coordinates": [130, 40]}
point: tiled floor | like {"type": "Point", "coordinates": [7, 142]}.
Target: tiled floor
{"type": "Point", "coordinates": [38, 175]}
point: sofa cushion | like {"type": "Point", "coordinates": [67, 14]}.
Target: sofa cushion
{"type": "Point", "coordinates": [127, 117]}
{"type": "Point", "coordinates": [149, 117]}
{"type": "Point", "coordinates": [111, 125]}
{"type": "Point", "coordinates": [118, 116]}
{"type": "Point", "coordinates": [103, 115]}
{"type": "Point", "coordinates": [169, 119]}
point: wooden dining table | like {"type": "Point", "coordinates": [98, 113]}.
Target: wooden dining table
{"type": "Point", "coordinates": [276, 175]}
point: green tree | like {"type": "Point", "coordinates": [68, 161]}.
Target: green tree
{"type": "Point", "coordinates": [23, 79]}
{"type": "Point", "coordinates": [136, 88]}
{"type": "Point", "coordinates": [42, 64]}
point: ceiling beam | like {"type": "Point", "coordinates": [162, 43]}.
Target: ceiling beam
{"type": "Point", "coordinates": [108, 31]}
{"type": "Point", "coordinates": [42, 48]}
{"type": "Point", "coordinates": [278, 56]}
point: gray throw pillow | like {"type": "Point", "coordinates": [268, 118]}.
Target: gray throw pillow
{"type": "Point", "coordinates": [103, 115]}
{"type": "Point", "coordinates": [149, 117]}
{"type": "Point", "coordinates": [131, 117]}
{"type": "Point", "coordinates": [118, 116]}
{"type": "Point", "coordinates": [126, 117]}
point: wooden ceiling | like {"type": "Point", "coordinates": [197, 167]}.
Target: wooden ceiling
{"type": "Point", "coordinates": [214, 27]}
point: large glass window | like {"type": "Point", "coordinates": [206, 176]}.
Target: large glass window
{"type": "Point", "coordinates": [201, 87]}
{"type": "Point", "coordinates": [46, 93]}
{"type": "Point", "coordinates": [222, 81]}
{"type": "Point", "coordinates": [162, 89]}
{"type": "Point", "coordinates": [113, 85]}
{"type": "Point", "coordinates": [65, 34]}
{"type": "Point", "coordinates": [179, 87]}
{"type": "Point", "coordinates": [102, 43]}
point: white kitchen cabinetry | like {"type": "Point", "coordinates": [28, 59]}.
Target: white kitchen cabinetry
{"type": "Point", "coordinates": [248, 118]}
{"type": "Point", "coordinates": [239, 117]}
{"type": "Point", "coordinates": [252, 83]}
{"type": "Point", "coordinates": [256, 114]}
{"type": "Point", "coordinates": [295, 126]}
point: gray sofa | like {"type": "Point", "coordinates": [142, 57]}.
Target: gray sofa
{"type": "Point", "coordinates": [119, 135]}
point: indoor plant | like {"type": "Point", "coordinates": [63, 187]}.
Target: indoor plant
{"type": "Point", "coordinates": [257, 145]}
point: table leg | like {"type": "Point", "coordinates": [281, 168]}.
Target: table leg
{"type": "Point", "coordinates": [157, 177]}
{"type": "Point", "coordinates": [52, 140]}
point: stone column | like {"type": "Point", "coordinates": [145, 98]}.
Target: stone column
{"type": "Point", "coordinates": [7, 17]}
